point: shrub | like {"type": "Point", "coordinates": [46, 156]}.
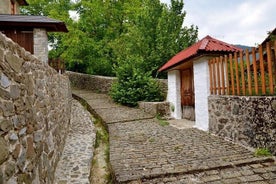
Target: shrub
{"type": "Point", "coordinates": [134, 85]}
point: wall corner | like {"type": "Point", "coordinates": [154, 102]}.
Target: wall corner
{"type": "Point", "coordinates": [174, 96]}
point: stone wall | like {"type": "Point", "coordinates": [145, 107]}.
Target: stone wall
{"type": "Point", "coordinates": [156, 108]}
{"type": "Point", "coordinates": [250, 121]}
{"type": "Point", "coordinates": [98, 83]}
{"type": "Point", "coordinates": [34, 116]}
{"type": "Point", "coordinates": [95, 83]}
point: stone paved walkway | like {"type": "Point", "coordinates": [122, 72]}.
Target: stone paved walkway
{"type": "Point", "coordinates": [74, 165]}
{"type": "Point", "coordinates": [143, 151]}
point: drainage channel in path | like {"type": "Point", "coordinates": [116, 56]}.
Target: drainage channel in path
{"type": "Point", "coordinates": [100, 167]}
{"type": "Point", "coordinates": [100, 172]}
{"type": "Point", "coordinates": [85, 158]}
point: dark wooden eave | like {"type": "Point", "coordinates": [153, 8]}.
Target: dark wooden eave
{"type": "Point", "coordinates": [29, 21]}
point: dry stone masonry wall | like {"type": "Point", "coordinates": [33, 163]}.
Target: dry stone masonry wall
{"type": "Point", "coordinates": [34, 116]}
{"type": "Point", "coordinates": [250, 121]}
{"type": "Point", "coordinates": [101, 84]}
{"type": "Point", "coordinates": [95, 83]}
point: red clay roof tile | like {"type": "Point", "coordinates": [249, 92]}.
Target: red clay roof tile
{"type": "Point", "coordinates": [207, 44]}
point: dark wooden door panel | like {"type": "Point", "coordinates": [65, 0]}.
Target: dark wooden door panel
{"type": "Point", "coordinates": [23, 38]}
{"type": "Point", "coordinates": [187, 87]}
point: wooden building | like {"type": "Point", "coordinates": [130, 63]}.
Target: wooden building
{"type": "Point", "coordinates": [30, 32]}
{"type": "Point", "coordinates": [188, 79]}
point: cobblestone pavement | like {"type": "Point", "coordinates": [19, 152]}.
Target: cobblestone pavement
{"type": "Point", "coordinates": [143, 151]}
{"type": "Point", "coordinates": [74, 165]}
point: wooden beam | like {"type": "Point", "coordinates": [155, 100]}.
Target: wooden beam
{"type": "Point", "coordinates": [269, 67]}
{"type": "Point", "coordinates": [248, 72]}
{"type": "Point", "coordinates": [237, 73]}
{"type": "Point", "coordinates": [262, 70]}
{"type": "Point", "coordinates": [256, 84]}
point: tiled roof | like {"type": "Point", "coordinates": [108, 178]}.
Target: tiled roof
{"type": "Point", "coordinates": [12, 21]}
{"type": "Point", "coordinates": [205, 45]}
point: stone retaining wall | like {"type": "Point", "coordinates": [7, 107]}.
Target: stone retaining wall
{"type": "Point", "coordinates": [34, 116]}
{"type": "Point", "coordinates": [94, 83]}
{"type": "Point", "coordinates": [101, 84]}
{"type": "Point", "coordinates": [250, 121]}
{"type": "Point", "coordinates": [156, 108]}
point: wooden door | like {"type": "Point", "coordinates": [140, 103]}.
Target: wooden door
{"type": "Point", "coordinates": [187, 87]}
{"type": "Point", "coordinates": [23, 38]}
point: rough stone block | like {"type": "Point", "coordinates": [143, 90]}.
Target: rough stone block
{"type": "Point", "coordinates": [1, 177]}
{"type": "Point", "coordinates": [21, 160]}
{"type": "Point", "coordinates": [30, 153]}
{"type": "Point", "coordinates": [5, 125]}
{"type": "Point", "coordinates": [5, 82]}
{"type": "Point", "coordinates": [7, 107]}
{"type": "Point", "coordinates": [1, 55]}
{"type": "Point", "coordinates": [16, 151]}
{"type": "Point", "coordinates": [14, 62]}
{"type": "Point", "coordinates": [4, 94]}
{"type": "Point", "coordinates": [14, 91]}
{"type": "Point", "coordinates": [4, 151]}
{"type": "Point", "coordinates": [10, 169]}
{"type": "Point", "coordinates": [13, 137]}
{"type": "Point", "coordinates": [155, 108]}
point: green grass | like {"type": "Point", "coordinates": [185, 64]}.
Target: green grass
{"type": "Point", "coordinates": [262, 152]}
{"type": "Point", "coordinates": [151, 139]}
{"type": "Point", "coordinates": [102, 140]}
{"type": "Point", "coordinates": [161, 121]}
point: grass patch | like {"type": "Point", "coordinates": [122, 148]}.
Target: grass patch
{"type": "Point", "coordinates": [101, 167]}
{"type": "Point", "coordinates": [109, 177]}
{"type": "Point", "coordinates": [161, 121]}
{"type": "Point", "coordinates": [151, 139]}
{"type": "Point", "coordinates": [262, 152]}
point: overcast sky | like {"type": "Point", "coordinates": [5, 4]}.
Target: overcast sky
{"type": "Point", "coordinates": [234, 21]}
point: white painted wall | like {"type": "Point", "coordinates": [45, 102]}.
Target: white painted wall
{"type": "Point", "coordinates": [41, 44]}
{"type": "Point", "coordinates": [174, 91]}
{"type": "Point", "coordinates": [202, 91]}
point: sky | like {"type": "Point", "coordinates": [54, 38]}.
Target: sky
{"type": "Point", "coordinates": [243, 22]}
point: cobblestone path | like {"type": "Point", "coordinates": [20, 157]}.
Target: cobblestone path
{"type": "Point", "coordinates": [143, 151]}
{"type": "Point", "coordinates": [74, 165]}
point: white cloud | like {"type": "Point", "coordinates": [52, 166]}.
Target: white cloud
{"type": "Point", "coordinates": [237, 22]}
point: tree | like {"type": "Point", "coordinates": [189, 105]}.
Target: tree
{"type": "Point", "coordinates": [153, 32]}
{"type": "Point", "coordinates": [109, 33]}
